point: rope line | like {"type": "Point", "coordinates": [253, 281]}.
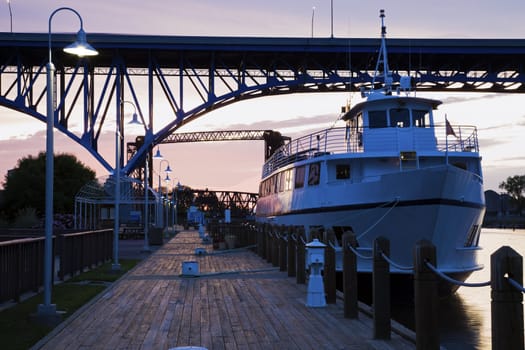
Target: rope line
{"type": "Point", "coordinates": [359, 254]}
{"type": "Point", "coordinates": [454, 281]}
{"type": "Point", "coordinates": [380, 219]}
{"type": "Point", "coordinates": [354, 216]}
{"type": "Point", "coordinates": [516, 285]}
{"type": "Point", "coordinates": [400, 267]}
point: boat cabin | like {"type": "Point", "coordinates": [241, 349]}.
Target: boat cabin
{"type": "Point", "coordinates": [393, 123]}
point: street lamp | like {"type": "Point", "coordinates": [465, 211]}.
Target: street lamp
{"type": "Point", "coordinates": [313, 15]}
{"type": "Point", "coordinates": [146, 204]}
{"type": "Point", "coordinates": [80, 48]}
{"type": "Point", "coordinates": [160, 214]}
{"type": "Point", "coordinates": [116, 266]}
{"type": "Point", "coordinates": [167, 180]}
{"type": "Point", "coordinates": [175, 200]}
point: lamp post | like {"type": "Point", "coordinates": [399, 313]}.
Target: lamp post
{"type": "Point", "coordinates": [167, 202]}
{"type": "Point", "coordinates": [116, 265]}
{"type": "Point", "coordinates": [312, 25]}
{"type": "Point", "coordinates": [10, 15]}
{"type": "Point", "coordinates": [175, 197]}
{"type": "Point", "coordinates": [146, 205]}
{"type": "Point", "coordinates": [167, 171]}
{"type": "Point", "coordinates": [80, 48]}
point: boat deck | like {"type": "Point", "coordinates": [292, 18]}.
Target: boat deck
{"type": "Point", "coordinates": [239, 301]}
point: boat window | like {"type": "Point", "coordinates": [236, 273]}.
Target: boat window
{"type": "Point", "coordinates": [299, 176]}
{"type": "Point", "coordinates": [271, 184]}
{"type": "Point", "coordinates": [377, 119]}
{"type": "Point", "coordinates": [342, 171]}
{"type": "Point", "coordinates": [281, 181]}
{"type": "Point", "coordinates": [400, 118]}
{"type": "Point", "coordinates": [314, 172]}
{"type": "Point", "coordinates": [264, 188]}
{"type": "Point", "coordinates": [420, 118]}
{"type": "Point", "coordinates": [288, 180]}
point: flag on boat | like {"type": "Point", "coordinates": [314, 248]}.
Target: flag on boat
{"type": "Point", "coordinates": [450, 131]}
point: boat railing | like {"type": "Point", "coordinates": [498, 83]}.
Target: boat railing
{"type": "Point", "coordinates": [342, 140]}
{"type": "Point", "coordinates": [464, 139]}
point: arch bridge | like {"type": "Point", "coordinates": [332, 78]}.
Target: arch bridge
{"type": "Point", "coordinates": [194, 75]}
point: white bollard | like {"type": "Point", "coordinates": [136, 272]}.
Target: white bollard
{"type": "Point", "coordinates": [315, 296]}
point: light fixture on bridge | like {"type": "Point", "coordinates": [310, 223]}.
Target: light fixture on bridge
{"type": "Point", "coordinates": [79, 48]}
{"type": "Point", "coordinates": [134, 118]}
{"type": "Point", "coordinates": [157, 154]}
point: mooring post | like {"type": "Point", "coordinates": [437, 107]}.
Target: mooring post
{"type": "Point", "coordinates": [260, 240]}
{"type": "Point", "coordinates": [291, 253]}
{"type": "Point", "coordinates": [301, 273]}
{"type": "Point", "coordinates": [350, 276]}
{"type": "Point", "coordinates": [275, 246]}
{"type": "Point", "coordinates": [506, 304]}
{"type": "Point", "coordinates": [381, 289]}
{"type": "Point", "coordinates": [282, 248]}
{"type": "Point", "coordinates": [269, 243]}
{"type": "Point", "coordinates": [329, 274]}
{"type": "Point", "coordinates": [425, 296]}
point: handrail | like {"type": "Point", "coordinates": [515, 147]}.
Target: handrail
{"type": "Point", "coordinates": [340, 140]}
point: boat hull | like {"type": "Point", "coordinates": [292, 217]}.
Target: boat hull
{"type": "Point", "coordinates": [444, 205]}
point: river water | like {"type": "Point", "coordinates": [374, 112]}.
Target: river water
{"type": "Point", "coordinates": [465, 317]}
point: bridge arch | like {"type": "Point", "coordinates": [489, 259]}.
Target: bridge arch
{"type": "Point", "coordinates": [222, 71]}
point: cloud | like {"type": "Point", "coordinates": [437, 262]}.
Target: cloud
{"type": "Point", "coordinates": [294, 122]}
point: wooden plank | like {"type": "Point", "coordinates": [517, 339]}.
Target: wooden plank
{"type": "Point", "coordinates": [153, 307]}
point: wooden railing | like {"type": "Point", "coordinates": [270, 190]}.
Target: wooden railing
{"type": "Point", "coordinates": [22, 260]}
{"type": "Point", "coordinates": [231, 235]}
{"type": "Point", "coordinates": [21, 267]}
{"type": "Point", "coordinates": [277, 243]}
{"type": "Point", "coordinates": [83, 250]}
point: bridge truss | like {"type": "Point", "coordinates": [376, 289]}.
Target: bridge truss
{"type": "Point", "coordinates": [195, 75]}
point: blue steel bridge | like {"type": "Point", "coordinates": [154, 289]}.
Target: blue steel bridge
{"type": "Point", "coordinates": [195, 75]}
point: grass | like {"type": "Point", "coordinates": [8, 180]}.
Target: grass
{"type": "Point", "coordinates": [17, 328]}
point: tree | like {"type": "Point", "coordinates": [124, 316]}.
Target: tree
{"type": "Point", "coordinates": [515, 187]}
{"type": "Point", "coordinates": [24, 186]}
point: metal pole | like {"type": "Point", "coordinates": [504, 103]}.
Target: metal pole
{"type": "Point", "coordinates": [10, 14]}
{"type": "Point", "coordinates": [312, 26]}
{"type": "Point", "coordinates": [146, 205]}
{"type": "Point", "coordinates": [116, 174]}
{"type": "Point", "coordinates": [331, 18]}
{"type": "Point", "coordinates": [176, 206]}
{"type": "Point", "coordinates": [47, 309]}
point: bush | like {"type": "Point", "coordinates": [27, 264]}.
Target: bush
{"type": "Point", "coordinates": [26, 218]}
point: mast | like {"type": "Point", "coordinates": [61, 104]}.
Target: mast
{"type": "Point", "coordinates": [383, 58]}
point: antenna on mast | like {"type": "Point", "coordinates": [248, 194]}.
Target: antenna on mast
{"type": "Point", "coordinates": [383, 58]}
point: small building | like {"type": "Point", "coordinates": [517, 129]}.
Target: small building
{"type": "Point", "coordinates": [95, 203]}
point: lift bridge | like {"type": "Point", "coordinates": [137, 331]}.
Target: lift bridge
{"type": "Point", "coordinates": [195, 75]}
{"type": "Point", "coordinates": [240, 202]}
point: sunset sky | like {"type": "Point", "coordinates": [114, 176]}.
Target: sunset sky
{"type": "Point", "coordinates": [500, 118]}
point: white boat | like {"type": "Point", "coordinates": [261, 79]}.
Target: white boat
{"type": "Point", "coordinates": [392, 171]}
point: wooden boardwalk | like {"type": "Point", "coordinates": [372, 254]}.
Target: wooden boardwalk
{"type": "Point", "coordinates": [154, 307]}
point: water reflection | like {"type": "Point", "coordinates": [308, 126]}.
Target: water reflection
{"type": "Point", "coordinates": [465, 320]}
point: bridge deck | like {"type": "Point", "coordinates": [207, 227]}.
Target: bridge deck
{"type": "Point", "coordinates": [153, 307]}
